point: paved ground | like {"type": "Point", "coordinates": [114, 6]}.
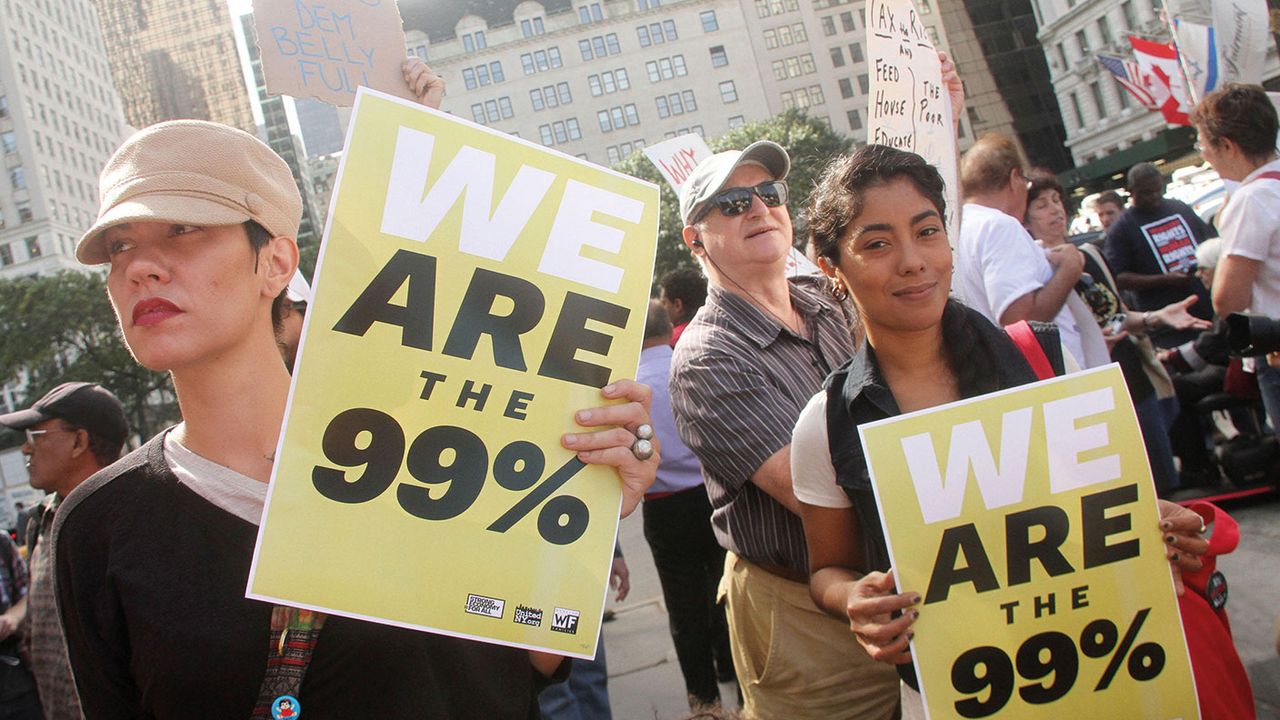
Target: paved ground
{"type": "Point", "coordinates": [645, 682]}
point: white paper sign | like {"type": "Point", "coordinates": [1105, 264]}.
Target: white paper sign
{"type": "Point", "coordinates": [910, 108]}
{"type": "Point", "coordinates": [676, 158]}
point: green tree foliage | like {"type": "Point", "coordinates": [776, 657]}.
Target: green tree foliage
{"type": "Point", "coordinates": [811, 143]}
{"type": "Point", "coordinates": [59, 328]}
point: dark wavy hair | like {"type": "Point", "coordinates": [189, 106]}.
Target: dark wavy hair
{"type": "Point", "coordinates": [1241, 113]}
{"type": "Point", "coordinates": [840, 197]}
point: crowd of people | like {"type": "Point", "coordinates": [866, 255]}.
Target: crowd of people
{"type": "Point", "coordinates": [757, 502]}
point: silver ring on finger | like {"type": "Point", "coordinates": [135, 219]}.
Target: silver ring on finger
{"type": "Point", "coordinates": [642, 449]}
{"type": "Point", "coordinates": [645, 432]}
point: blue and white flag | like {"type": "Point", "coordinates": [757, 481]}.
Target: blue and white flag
{"type": "Point", "coordinates": [1198, 54]}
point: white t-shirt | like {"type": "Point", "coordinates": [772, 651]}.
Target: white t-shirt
{"type": "Point", "coordinates": [998, 262]}
{"type": "Point", "coordinates": [813, 477]}
{"type": "Point", "coordinates": [1250, 227]}
{"type": "Point", "coordinates": [238, 494]}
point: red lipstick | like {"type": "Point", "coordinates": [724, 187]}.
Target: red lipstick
{"type": "Point", "coordinates": [153, 311]}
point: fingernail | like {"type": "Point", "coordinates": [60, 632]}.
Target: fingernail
{"type": "Point", "coordinates": [569, 439]}
{"type": "Point", "coordinates": [915, 614]}
{"type": "Point", "coordinates": [1170, 539]}
{"type": "Point", "coordinates": [609, 389]}
{"type": "Point", "coordinates": [915, 600]}
{"type": "Point", "coordinates": [583, 416]}
{"type": "Point", "coordinates": [1174, 557]}
{"type": "Point", "coordinates": [1166, 525]}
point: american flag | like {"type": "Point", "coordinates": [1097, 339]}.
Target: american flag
{"type": "Point", "coordinates": [1127, 74]}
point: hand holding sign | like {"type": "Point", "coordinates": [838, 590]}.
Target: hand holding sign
{"type": "Point", "coordinates": [427, 86]}
{"type": "Point", "coordinates": [612, 445]}
{"type": "Point", "coordinates": [872, 603]}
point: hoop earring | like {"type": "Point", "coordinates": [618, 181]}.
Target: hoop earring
{"type": "Point", "coordinates": [838, 290]}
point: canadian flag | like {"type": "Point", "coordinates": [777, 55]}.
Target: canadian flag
{"type": "Point", "coordinates": [1161, 76]}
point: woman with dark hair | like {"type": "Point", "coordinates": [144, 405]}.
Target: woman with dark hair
{"type": "Point", "coordinates": [876, 225]}
{"type": "Point", "coordinates": [1124, 329]}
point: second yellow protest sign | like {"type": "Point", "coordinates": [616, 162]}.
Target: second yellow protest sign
{"type": "Point", "coordinates": [1027, 522]}
{"type": "Point", "coordinates": [472, 291]}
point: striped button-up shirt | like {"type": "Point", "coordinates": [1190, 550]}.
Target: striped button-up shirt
{"type": "Point", "coordinates": [739, 380]}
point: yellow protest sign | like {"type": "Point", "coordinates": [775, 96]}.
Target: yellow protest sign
{"type": "Point", "coordinates": [1027, 521]}
{"type": "Point", "coordinates": [473, 289]}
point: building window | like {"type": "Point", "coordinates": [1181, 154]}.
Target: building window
{"type": "Point", "coordinates": [855, 119]}
{"type": "Point", "coordinates": [829, 25]}
{"type": "Point", "coordinates": [666, 68]}
{"type": "Point", "coordinates": [4, 106]}
{"type": "Point", "coordinates": [864, 83]}
{"type": "Point", "coordinates": [718, 56]}
{"type": "Point", "coordinates": [846, 88]}
{"type": "Point", "coordinates": [736, 121]}
{"type": "Point", "coordinates": [837, 57]}
{"type": "Point", "coordinates": [18, 178]}
{"type": "Point", "coordinates": [709, 22]}
{"type": "Point", "coordinates": [474, 41]}
{"type": "Point", "coordinates": [24, 213]}
{"type": "Point", "coordinates": [728, 92]}
{"type": "Point", "coordinates": [544, 132]}
{"type": "Point", "coordinates": [421, 51]}
{"type": "Point", "coordinates": [469, 78]}
{"type": "Point", "coordinates": [855, 52]}
{"type": "Point", "coordinates": [6, 255]}
{"type": "Point", "coordinates": [608, 82]}
{"type": "Point", "coordinates": [590, 13]}
{"type": "Point", "coordinates": [1104, 29]}
{"type": "Point", "coordinates": [617, 118]}
{"type": "Point", "coordinates": [1130, 18]}
{"type": "Point", "coordinates": [643, 5]}
{"type": "Point", "coordinates": [599, 46]}
{"type": "Point", "coordinates": [1075, 106]}
{"type": "Point", "coordinates": [765, 8]}
{"type": "Point", "coordinates": [33, 247]}
{"type": "Point", "coordinates": [846, 21]}
{"type": "Point", "coordinates": [477, 112]}
{"type": "Point", "coordinates": [10, 142]}
{"type": "Point", "coordinates": [1096, 91]}
{"type": "Point", "coordinates": [532, 26]}
{"type": "Point", "coordinates": [1082, 43]}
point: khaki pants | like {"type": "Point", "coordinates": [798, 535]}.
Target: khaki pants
{"type": "Point", "coordinates": [793, 660]}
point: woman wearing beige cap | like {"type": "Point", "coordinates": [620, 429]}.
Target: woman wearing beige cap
{"type": "Point", "coordinates": [197, 226]}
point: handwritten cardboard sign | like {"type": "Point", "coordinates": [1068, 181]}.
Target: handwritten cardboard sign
{"type": "Point", "coordinates": [1027, 521]}
{"type": "Point", "coordinates": [910, 108]}
{"type": "Point", "coordinates": [327, 48]}
{"type": "Point", "coordinates": [472, 289]}
{"type": "Point", "coordinates": [676, 158]}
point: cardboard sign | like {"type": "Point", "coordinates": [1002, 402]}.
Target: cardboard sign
{"type": "Point", "coordinates": [1027, 521]}
{"type": "Point", "coordinates": [327, 48]}
{"type": "Point", "coordinates": [910, 108]}
{"type": "Point", "coordinates": [676, 158]}
{"type": "Point", "coordinates": [472, 291]}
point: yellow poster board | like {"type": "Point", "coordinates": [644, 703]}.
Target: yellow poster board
{"type": "Point", "coordinates": [472, 291]}
{"type": "Point", "coordinates": [1027, 522]}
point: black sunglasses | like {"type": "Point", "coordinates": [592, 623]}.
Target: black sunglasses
{"type": "Point", "coordinates": [735, 201]}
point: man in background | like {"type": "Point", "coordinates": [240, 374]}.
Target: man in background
{"type": "Point", "coordinates": [677, 525]}
{"type": "Point", "coordinates": [72, 432]}
{"type": "Point", "coordinates": [681, 293]}
{"type": "Point", "coordinates": [1152, 248]}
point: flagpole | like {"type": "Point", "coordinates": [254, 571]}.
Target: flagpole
{"type": "Point", "coordinates": [1182, 58]}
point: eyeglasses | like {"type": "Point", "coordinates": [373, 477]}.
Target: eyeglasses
{"type": "Point", "coordinates": [33, 434]}
{"type": "Point", "coordinates": [736, 201]}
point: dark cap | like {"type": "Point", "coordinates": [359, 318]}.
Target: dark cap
{"type": "Point", "coordinates": [86, 405]}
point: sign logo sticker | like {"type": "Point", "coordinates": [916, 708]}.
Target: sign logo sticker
{"type": "Point", "coordinates": [487, 606]}
{"type": "Point", "coordinates": [565, 621]}
{"type": "Point", "coordinates": [525, 615]}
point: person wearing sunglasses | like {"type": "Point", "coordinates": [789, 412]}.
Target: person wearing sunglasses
{"type": "Point", "coordinates": [743, 370]}
{"type": "Point", "coordinates": [72, 432]}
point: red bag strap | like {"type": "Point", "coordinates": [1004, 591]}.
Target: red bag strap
{"type": "Point", "coordinates": [1025, 338]}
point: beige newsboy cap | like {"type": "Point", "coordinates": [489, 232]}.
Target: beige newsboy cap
{"type": "Point", "coordinates": [193, 172]}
